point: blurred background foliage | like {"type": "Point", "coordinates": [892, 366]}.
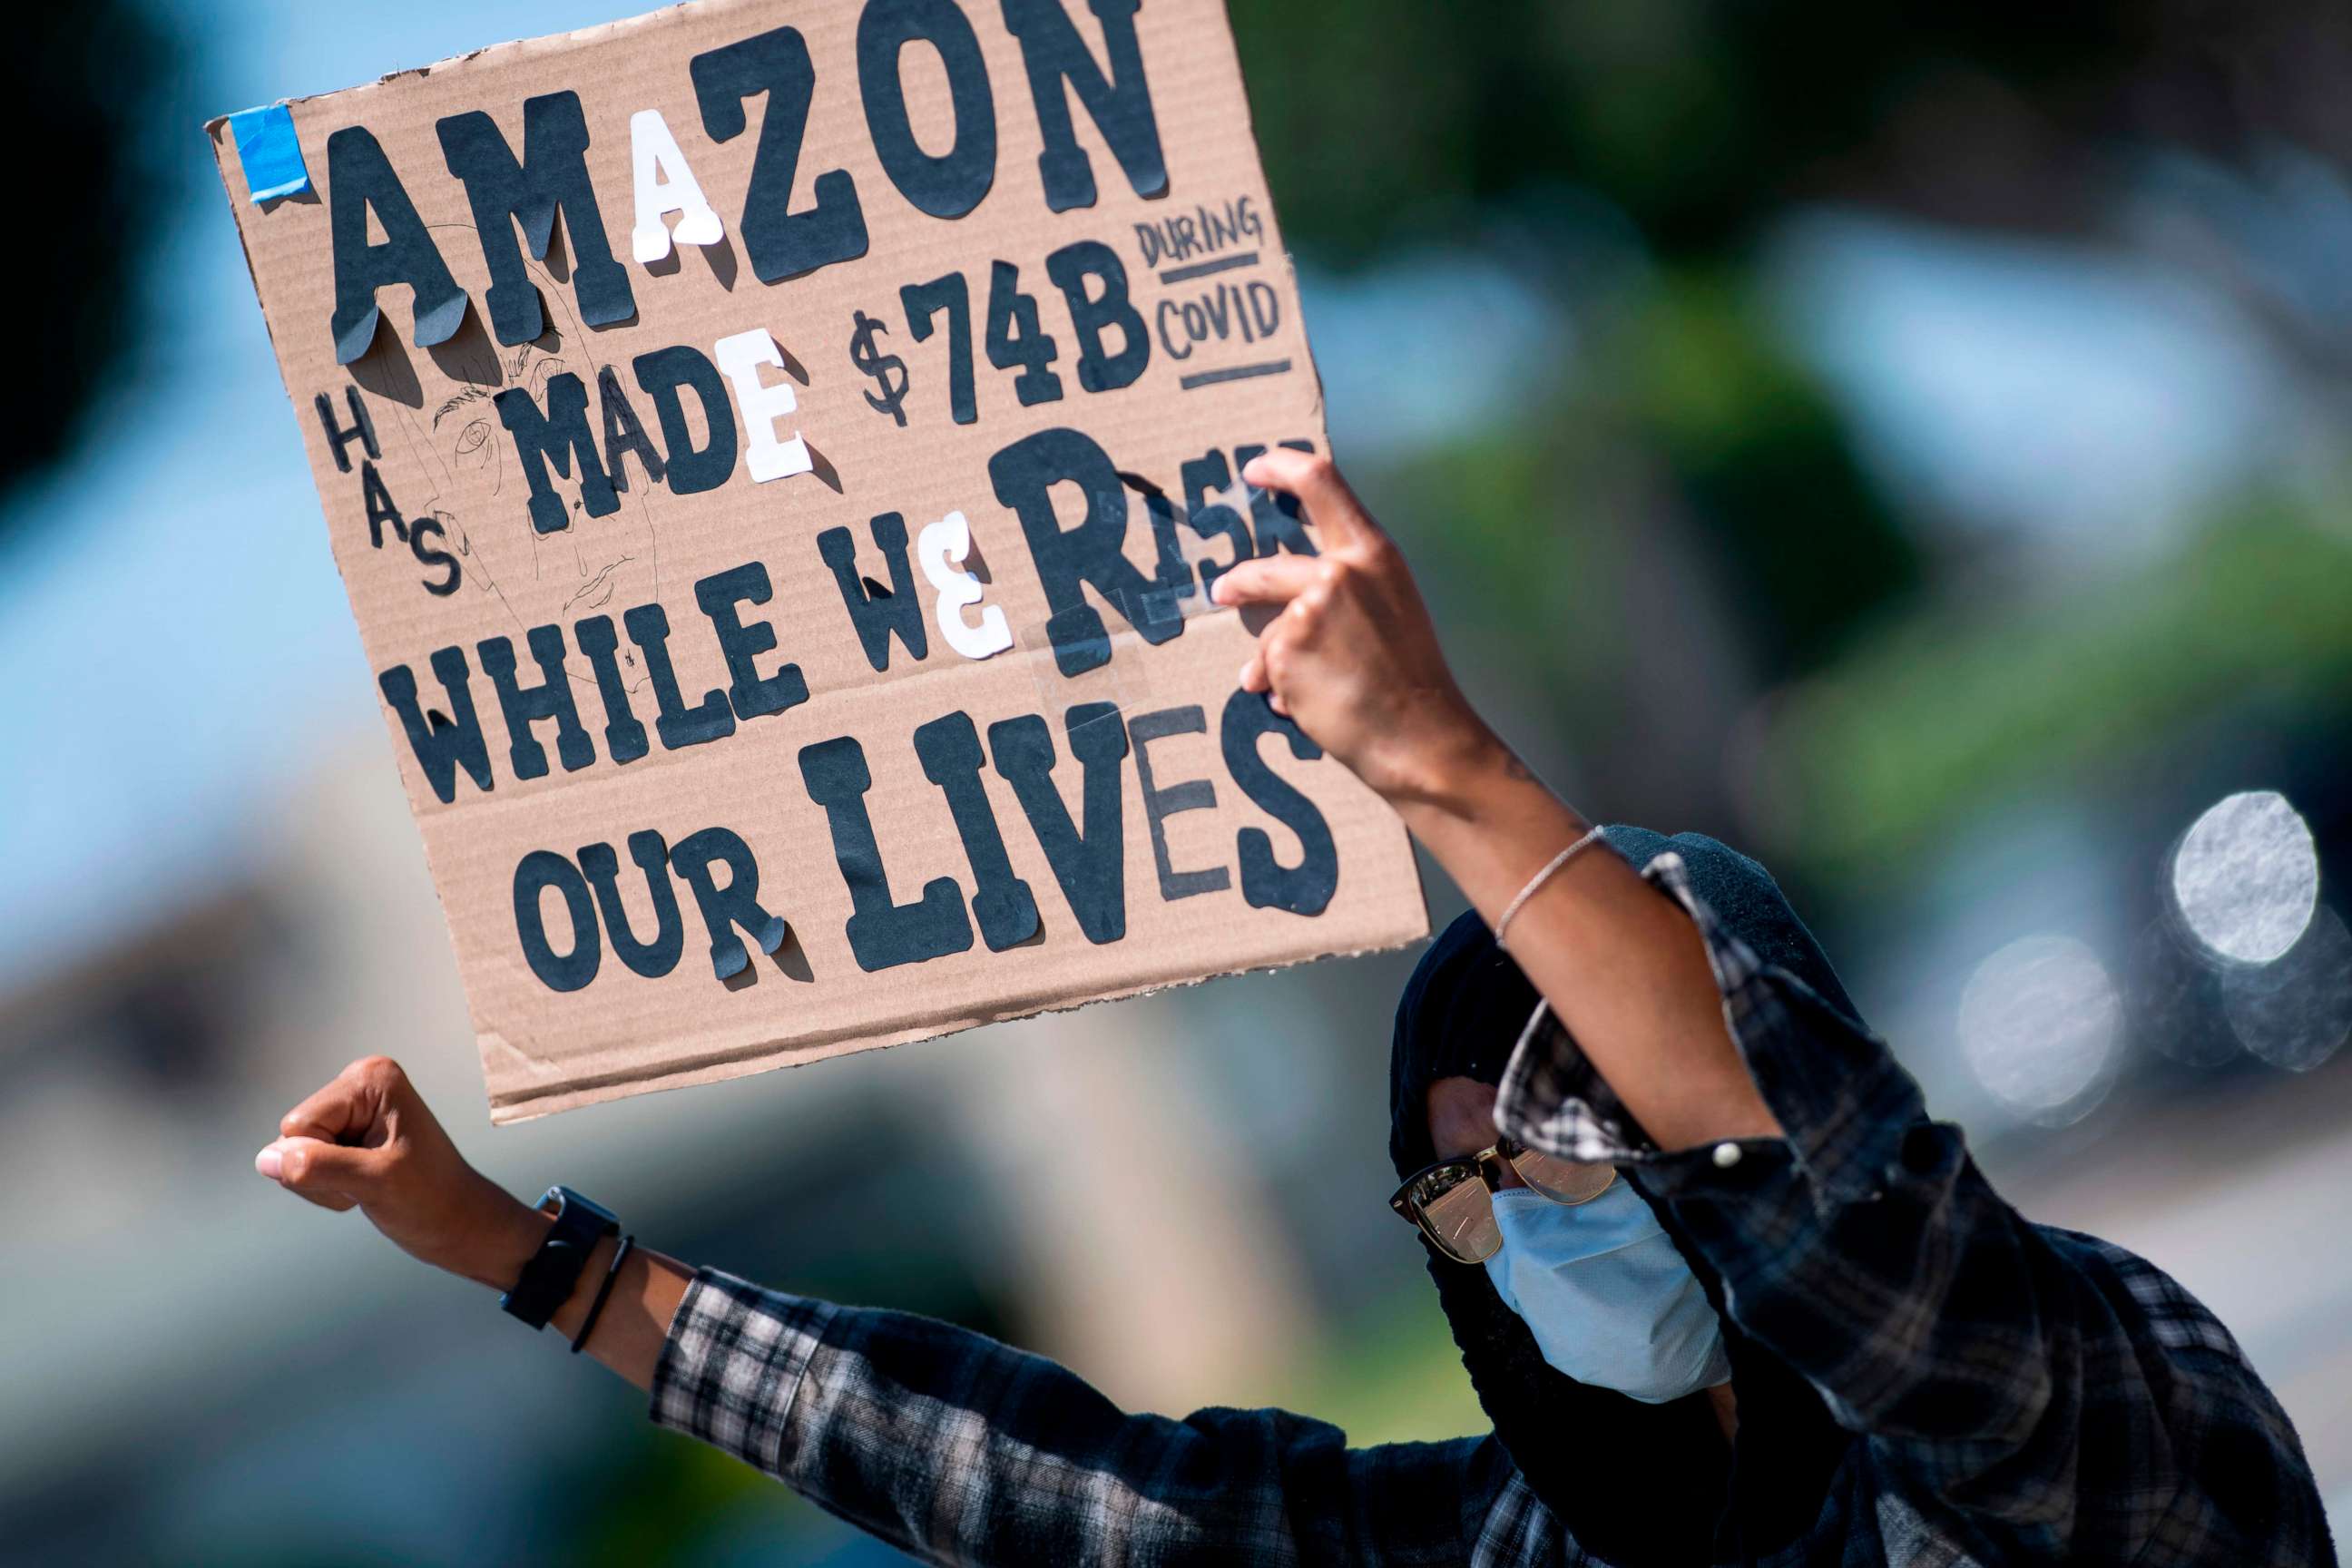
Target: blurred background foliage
{"type": "Point", "coordinates": [1906, 442]}
{"type": "Point", "coordinates": [1702, 121]}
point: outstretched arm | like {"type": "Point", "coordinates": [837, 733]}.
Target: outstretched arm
{"type": "Point", "coordinates": [940, 1440]}
{"type": "Point", "coordinates": [1353, 660]}
{"type": "Point", "coordinates": [368, 1141]}
{"type": "Point", "coordinates": [2046, 1387]}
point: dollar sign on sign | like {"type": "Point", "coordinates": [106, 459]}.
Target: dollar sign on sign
{"type": "Point", "coordinates": [888, 370]}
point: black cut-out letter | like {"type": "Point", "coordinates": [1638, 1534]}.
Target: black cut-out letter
{"type": "Point", "coordinates": [1025, 475]}
{"type": "Point", "coordinates": [1069, 267]}
{"type": "Point", "coordinates": [951, 185]}
{"type": "Point", "coordinates": [534, 874]}
{"type": "Point", "coordinates": [674, 721]}
{"type": "Point", "coordinates": [442, 745]}
{"type": "Point", "coordinates": [552, 175]}
{"type": "Point", "coordinates": [1204, 477]}
{"type": "Point", "coordinates": [735, 904]}
{"type": "Point", "coordinates": [1015, 339]}
{"type": "Point", "coordinates": [360, 177]}
{"type": "Point", "coordinates": [560, 436]}
{"type": "Point", "coordinates": [651, 959]}
{"type": "Point", "coordinates": [1054, 54]}
{"type": "Point", "coordinates": [1091, 867]}
{"type": "Point", "coordinates": [1273, 514]}
{"type": "Point", "coordinates": [1306, 888]}
{"type": "Point", "coordinates": [624, 738]}
{"type": "Point", "coordinates": [752, 694]}
{"type": "Point", "coordinates": [550, 698]}
{"type": "Point", "coordinates": [879, 613]}
{"type": "Point", "coordinates": [781, 243]}
{"type": "Point", "coordinates": [922, 301]}
{"type": "Point", "coordinates": [1000, 901]}
{"type": "Point", "coordinates": [624, 431]}
{"type": "Point", "coordinates": [662, 373]}
{"type": "Point", "coordinates": [882, 935]}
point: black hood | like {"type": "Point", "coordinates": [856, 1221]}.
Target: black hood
{"type": "Point", "coordinates": [1635, 1483]}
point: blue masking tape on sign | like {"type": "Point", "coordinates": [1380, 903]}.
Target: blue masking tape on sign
{"type": "Point", "coordinates": [271, 156]}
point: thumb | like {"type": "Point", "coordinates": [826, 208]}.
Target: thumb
{"type": "Point", "coordinates": [333, 1175]}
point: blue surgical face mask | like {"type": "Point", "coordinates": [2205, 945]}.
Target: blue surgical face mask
{"type": "Point", "coordinates": [1608, 1298]}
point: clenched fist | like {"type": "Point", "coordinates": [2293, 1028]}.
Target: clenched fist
{"type": "Point", "coordinates": [1352, 657]}
{"type": "Point", "coordinates": [367, 1142]}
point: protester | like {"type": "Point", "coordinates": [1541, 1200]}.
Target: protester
{"type": "Point", "coordinates": [1724, 1291]}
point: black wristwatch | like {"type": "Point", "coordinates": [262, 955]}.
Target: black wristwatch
{"type": "Point", "coordinates": [548, 1279]}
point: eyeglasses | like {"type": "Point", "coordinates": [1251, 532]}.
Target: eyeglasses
{"type": "Point", "coordinates": [1452, 1201]}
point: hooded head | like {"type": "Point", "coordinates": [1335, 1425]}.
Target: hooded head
{"type": "Point", "coordinates": [1635, 1483]}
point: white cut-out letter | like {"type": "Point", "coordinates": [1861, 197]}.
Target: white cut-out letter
{"type": "Point", "coordinates": [665, 186]}
{"type": "Point", "coordinates": [940, 550]}
{"type": "Point", "coordinates": [740, 359]}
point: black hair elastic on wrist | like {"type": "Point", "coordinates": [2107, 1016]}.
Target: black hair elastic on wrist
{"type": "Point", "coordinates": [596, 1308]}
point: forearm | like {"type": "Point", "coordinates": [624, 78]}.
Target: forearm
{"type": "Point", "coordinates": [1622, 966]}
{"type": "Point", "coordinates": [630, 1330]}
{"type": "Point", "coordinates": [1353, 658]}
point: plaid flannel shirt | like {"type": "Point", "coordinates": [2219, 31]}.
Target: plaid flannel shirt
{"type": "Point", "coordinates": [2018, 1392]}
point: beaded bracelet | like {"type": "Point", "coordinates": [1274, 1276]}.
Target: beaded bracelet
{"type": "Point", "coordinates": [1536, 882]}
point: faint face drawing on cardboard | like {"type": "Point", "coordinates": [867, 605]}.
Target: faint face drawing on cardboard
{"type": "Point", "coordinates": [593, 565]}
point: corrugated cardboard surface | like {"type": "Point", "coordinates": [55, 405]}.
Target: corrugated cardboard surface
{"type": "Point", "coordinates": [623, 1034]}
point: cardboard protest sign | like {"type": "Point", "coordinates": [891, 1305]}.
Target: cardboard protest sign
{"type": "Point", "coordinates": [777, 456]}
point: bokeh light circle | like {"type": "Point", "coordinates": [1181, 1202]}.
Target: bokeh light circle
{"type": "Point", "coordinates": [2296, 1012]}
{"type": "Point", "coordinates": [2245, 877]}
{"type": "Point", "coordinates": [2038, 1024]}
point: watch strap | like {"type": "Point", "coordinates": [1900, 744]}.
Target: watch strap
{"type": "Point", "coordinates": [549, 1279]}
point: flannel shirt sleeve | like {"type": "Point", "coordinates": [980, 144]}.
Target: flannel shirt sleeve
{"type": "Point", "coordinates": [959, 1449]}
{"type": "Point", "coordinates": [1865, 1251]}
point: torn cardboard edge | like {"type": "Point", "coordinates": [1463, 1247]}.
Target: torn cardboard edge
{"type": "Point", "coordinates": [512, 1108]}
